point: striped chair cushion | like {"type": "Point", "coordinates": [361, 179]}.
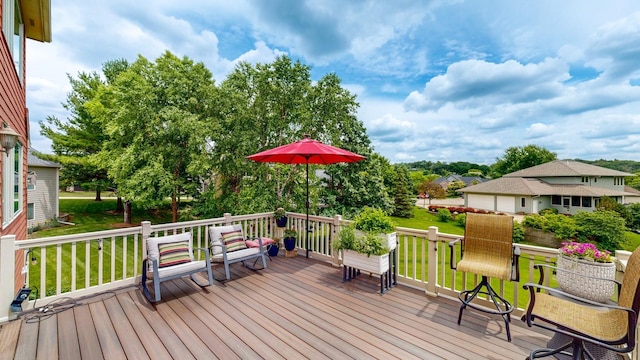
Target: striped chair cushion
{"type": "Point", "coordinates": [233, 240]}
{"type": "Point", "coordinates": [173, 253]}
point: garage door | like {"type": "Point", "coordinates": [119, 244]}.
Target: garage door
{"type": "Point", "coordinates": [506, 204]}
{"type": "Point", "coordinates": [481, 201]}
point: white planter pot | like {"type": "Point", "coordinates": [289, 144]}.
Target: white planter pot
{"type": "Point", "coordinates": [376, 264]}
{"type": "Point", "coordinates": [575, 284]}
{"type": "Point", "coordinates": [391, 239]}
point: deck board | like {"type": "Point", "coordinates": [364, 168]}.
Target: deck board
{"type": "Point", "coordinates": [296, 308]}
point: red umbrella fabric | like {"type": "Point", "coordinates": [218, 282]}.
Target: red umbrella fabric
{"type": "Point", "coordinates": [306, 151]}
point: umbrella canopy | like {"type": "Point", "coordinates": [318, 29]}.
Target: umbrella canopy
{"type": "Point", "coordinates": [306, 151]}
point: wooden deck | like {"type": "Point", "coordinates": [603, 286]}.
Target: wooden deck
{"type": "Point", "coordinates": [297, 308]}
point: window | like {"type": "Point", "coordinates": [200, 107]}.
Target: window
{"type": "Point", "coordinates": [13, 28]}
{"type": "Point", "coordinates": [523, 202]}
{"type": "Point", "coordinates": [30, 211]}
{"type": "Point", "coordinates": [31, 180]}
{"type": "Point", "coordinates": [575, 201]}
{"type": "Point", "coordinates": [556, 200]}
{"type": "Point", "coordinates": [12, 184]}
{"type": "Point", "coordinates": [586, 202]}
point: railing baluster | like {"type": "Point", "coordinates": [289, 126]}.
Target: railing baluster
{"type": "Point", "coordinates": [58, 269]}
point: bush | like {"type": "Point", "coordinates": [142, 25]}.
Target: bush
{"type": "Point", "coordinates": [546, 211]}
{"type": "Point", "coordinates": [604, 227]}
{"type": "Point", "coordinates": [518, 232]}
{"type": "Point", "coordinates": [564, 227]}
{"type": "Point", "coordinates": [444, 214]}
{"type": "Point", "coordinates": [634, 210]}
{"type": "Point", "coordinates": [461, 219]}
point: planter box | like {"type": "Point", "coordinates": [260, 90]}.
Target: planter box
{"type": "Point", "coordinates": [376, 264]}
{"type": "Point", "coordinates": [391, 239]}
{"type": "Point", "coordinates": [573, 281]}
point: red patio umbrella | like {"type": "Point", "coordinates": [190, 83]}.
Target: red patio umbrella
{"type": "Point", "coordinates": [306, 151]}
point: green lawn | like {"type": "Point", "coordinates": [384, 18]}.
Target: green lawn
{"type": "Point", "coordinates": [88, 215]}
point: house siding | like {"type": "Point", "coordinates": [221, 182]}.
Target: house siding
{"type": "Point", "coordinates": [44, 196]}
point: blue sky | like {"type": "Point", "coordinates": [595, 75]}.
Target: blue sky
{"type": "Point", "coordinates": [436, 80]}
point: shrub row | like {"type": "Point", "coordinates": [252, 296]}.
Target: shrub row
{"type": "Point", "coordinates": [460, 210]}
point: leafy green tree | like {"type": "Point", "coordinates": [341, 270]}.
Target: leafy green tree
{"type": "Point", "coordinates": [157, 117]}
{"type": "Point", "coordinates": [633, 181]}
{"type": "Point", "coordinates": [517, 158]}
{"type": "Point", "coordinates": [403, 204]}
{"type": "Point", "coordinates": [634, 210]}
{"type": "Point", "coordinates": [267, 105]}
{"type": "Point", "coordinates": [433, 190]}
{"type": "Point", "coordinates": [81, 134]}
{"type": "Point", "coordinates": [608, 203]}
{"type": "Point", "coordinates": [453, 187]}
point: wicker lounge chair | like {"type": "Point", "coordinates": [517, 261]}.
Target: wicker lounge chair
{"type": "Point", "coordinates": [487, 250]}
{"type": "Point", "coordinates": [593, 328]}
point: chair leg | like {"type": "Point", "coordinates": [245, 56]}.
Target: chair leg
{"type": "Point", "coordinates": [499, 302]}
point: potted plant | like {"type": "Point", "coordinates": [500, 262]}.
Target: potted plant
{"type": "Point", "coordinates": [281, 217]}
{"type": "Point", "coordinates": [290, 239]}
{"type": "Point", "coordinates": [581, 266]}
{"type": "Point", "coordinates": [375, 221]}
{"type": "Point", "coordinates": [366, 251]}
{"type": "Point", "coordinates": [275, 247]}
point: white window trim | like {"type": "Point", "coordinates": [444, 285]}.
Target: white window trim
{"type": "Point", "coordinates": [9, 196]}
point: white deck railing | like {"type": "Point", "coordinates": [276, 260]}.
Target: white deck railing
{"type": "Point", "coordinates": [87, 263]}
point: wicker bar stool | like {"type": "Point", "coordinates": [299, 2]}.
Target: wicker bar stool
{"type": "Point", "coordinates": [487, 249]}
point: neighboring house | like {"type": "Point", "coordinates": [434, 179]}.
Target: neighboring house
{"type": "Point", "coordinates": [42, 190]}
{"type": "Point", "coordinates": [21, 20]}
{"type": "Point", "coordinates": [569, 186]}
{"type": "Point", "coordinates": [444, 181]}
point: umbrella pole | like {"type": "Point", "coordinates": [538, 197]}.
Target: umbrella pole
{"type": "Point", "coordinates": [306, 225]}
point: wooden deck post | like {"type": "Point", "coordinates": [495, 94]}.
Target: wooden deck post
{"type": "Point", "coordinates": [432, 256]}
{"type": "Point", "coordinates": [7, 274]}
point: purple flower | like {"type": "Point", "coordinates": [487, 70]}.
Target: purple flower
{"type": "Point", "coordinates": [585, 251]}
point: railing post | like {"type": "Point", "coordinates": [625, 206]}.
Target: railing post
{"type": "Point", "coordinates": [432, 258]}
{"type": "Point", "coordinates": [227, 219]}
{"type": "Point", "coordinates": [146, 233]}
{"type": "Point", "coordinates": [335, 232]}
{"type": "Point", "coordinates": [7, 274]}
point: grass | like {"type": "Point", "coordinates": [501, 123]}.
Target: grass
{"type": "Point", "coordinates": [88, 215]}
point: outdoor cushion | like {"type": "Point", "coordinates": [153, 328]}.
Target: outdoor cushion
{"type": "Point", "coordinates": [173, 253]}
{"type": "Point", "coordinates": [256, 243]}
{"type": "Point", "coordinates": [233, 240]}
{"type": "Point", "coordinates": [153, 252]}
{"type": "Point", "coordinates": [237, 255]}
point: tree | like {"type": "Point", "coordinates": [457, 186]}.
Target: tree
{"type": "Point", "coordinates": [433, 189]}
{"type": "Point", "coordinates": [517, 158]}
{"type": "Point", "coordinates": [75, 140]}
{"type": "Point", "coordinates": [633, 181]}
{"type": "Point", "coordinates": [403, 195]}
{"type": "Point", "coordinates": [453, 187]}
{"type": "Point", "coordinates": [157, 118]}
{"type": "Point", "coordinates": [268, 105]}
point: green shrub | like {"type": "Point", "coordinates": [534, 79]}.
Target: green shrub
{"type": "Point", "coordinates": [634, 210]}
{"type": "Point", "coordinates": [533, 221]}
{"type": "Point", "coordinates": [368, 243]}
{"type": "Point", "coordinates": [604, 227]}
{"type": "Point", "coordinates": [444, 214]}
{"type": "Point", "coordinates": [518, 232]}
{"type": "Point", "coordinates": [546, 211]}
{"type": "Point", "coordinates": [461, 219]}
